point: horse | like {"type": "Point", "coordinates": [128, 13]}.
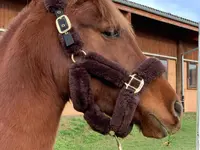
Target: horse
{"type": "Point", "coordinates": [34, 76]}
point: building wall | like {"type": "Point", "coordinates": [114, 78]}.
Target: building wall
{"type": "Point", "coordinates": [155, 41]}
{"type": "Point", "coordinates": [156, 44]}
{"type": "Point", "coordinates": [69, 110]}
{"type": "Point", "coordinates": [8, 10]}
{"type": "Point", "coordinates": [172, 73]}
{"type": "Point", "coordinates": [189, 45]}
{"type": "Point", "coordinates": [190, 95]}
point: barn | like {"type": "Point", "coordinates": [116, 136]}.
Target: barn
{"type": "Point", "coordinates": [159, 34]}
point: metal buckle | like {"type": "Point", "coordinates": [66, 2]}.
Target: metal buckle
{"type": "Point", "coordinates": [136, 89]}
{"type": "Point", "coordinates": [60, 26]}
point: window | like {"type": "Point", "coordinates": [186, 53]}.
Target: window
{"type": "Point", "coordinates": [192, 75]}
{"type": "Point", "coordinates": [165, 63]}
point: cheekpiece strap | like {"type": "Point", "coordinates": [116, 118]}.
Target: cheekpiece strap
{"type": "Point", "coordinates": [64, 26]}
{"type": "Point", "coordinates": [69, 38]}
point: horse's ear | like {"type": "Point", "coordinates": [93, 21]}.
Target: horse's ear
{"type": "Point", "coordinates": [49, 4]}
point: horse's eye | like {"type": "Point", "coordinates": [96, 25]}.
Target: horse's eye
{"type": "Point", "coordinates": [111, 33]}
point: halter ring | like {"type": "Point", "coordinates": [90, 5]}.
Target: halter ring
{"type": "Point", "coordinates": [73, 56]}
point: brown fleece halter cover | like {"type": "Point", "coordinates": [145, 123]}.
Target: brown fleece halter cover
{"type": "Point", "coordinates": [110, 73]}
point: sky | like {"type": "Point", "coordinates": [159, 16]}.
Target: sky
{"type": "Point", "coordinates": [189, 9]}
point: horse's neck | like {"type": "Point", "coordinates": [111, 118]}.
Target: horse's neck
{"type": "Point", "coordinates": [30, 106]}
{"type": "Point", "coordinates": [28, 122]}
{"type": "Point", "coordinates": [29, 110]}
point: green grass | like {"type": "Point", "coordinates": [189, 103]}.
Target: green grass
{"type": "Point", "coordinates": [75, 134]}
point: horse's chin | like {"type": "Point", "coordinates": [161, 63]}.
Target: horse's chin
{"type": "Point", "coordinates": [153, 127]}
{"type": "Point", "coordinates": [160, 129]}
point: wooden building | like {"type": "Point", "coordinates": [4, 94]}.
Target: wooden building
{"type": "Point", "coordinates": [166, 37]}
{"type": "Point", "coordinates": [159, 34]}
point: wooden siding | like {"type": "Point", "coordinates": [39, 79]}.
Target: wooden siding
{"type": "Point", "coordinates": [172, 73]}
{"type": "Point", "coordinates": [189, 45]}
{"type": "Point", "coordinates": [156, 44]}
{"type": "Point", "coordinates": [8, 10]}
{"type": "Point", "coordinates": [155, 37]}
{"type": "Point", "coordinates": [159, 38]}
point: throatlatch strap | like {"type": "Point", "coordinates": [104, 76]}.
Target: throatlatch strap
{"type": "Point", "coordinates": [96, 66]}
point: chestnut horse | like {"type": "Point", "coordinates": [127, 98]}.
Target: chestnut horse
{"type": "Point", "coordinates": [34, 74]}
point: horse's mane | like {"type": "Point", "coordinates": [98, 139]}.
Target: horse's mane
{"type": "Point", "coordinates": [109, 13]}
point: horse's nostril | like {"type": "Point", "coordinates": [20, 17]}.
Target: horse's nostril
{"type": "Point", "coordinates": [178, 108]}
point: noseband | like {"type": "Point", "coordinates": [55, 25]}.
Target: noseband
{"type": "Point", "coordinates": [93, 65]}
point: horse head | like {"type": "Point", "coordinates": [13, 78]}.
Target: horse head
{"type": "Point", "coordinates": [35, 68]}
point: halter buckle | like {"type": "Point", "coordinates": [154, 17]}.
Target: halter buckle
{"type": "Point", "coordinates": [136, 89]}
{"type": "Point", "coordinates": [63, 24]}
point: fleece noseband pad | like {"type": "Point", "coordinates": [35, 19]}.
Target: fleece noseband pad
{"type": "Point", "coordinates": [150, 69]}
{"type": "Point", "coordinates": [96, 66]}
{"type": "Point", "coordinates": [105, 70]}
{"type": "Point", "coordinates": [97, 120]}
{"type": "Point", "coordinates": [127, 101]}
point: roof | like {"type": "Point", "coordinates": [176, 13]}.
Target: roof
{"type": "Point", "coordinates": [157, 12]}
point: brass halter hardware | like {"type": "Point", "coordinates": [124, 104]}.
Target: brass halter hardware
{"type": "Point", "coordinates": [73, 56]}
{"type": "Point", "coordinates": [136, 89]}
{"type": "Point", "coordinates": [119, 119]}
{"type": "Point", "coordinates": [64, 27]}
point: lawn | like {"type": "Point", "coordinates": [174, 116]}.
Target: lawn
{"type": "Point", "coordinates": [75, 134]}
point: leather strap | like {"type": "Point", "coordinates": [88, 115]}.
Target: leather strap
{"type": "Point", "coordinates": [96, 66]}
{"type": "Point", "coordinates": [107, 71]}
{"type": "Point", "coordinates": [63, 24]}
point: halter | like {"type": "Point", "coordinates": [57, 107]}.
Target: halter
{"type": "Point", "coordinates": [93, 65]}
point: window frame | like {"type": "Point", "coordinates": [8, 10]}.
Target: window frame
{"type": "Point", "coordinates": [167, 68]}
{"type": "Point", "coordinates": [188, 74]}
